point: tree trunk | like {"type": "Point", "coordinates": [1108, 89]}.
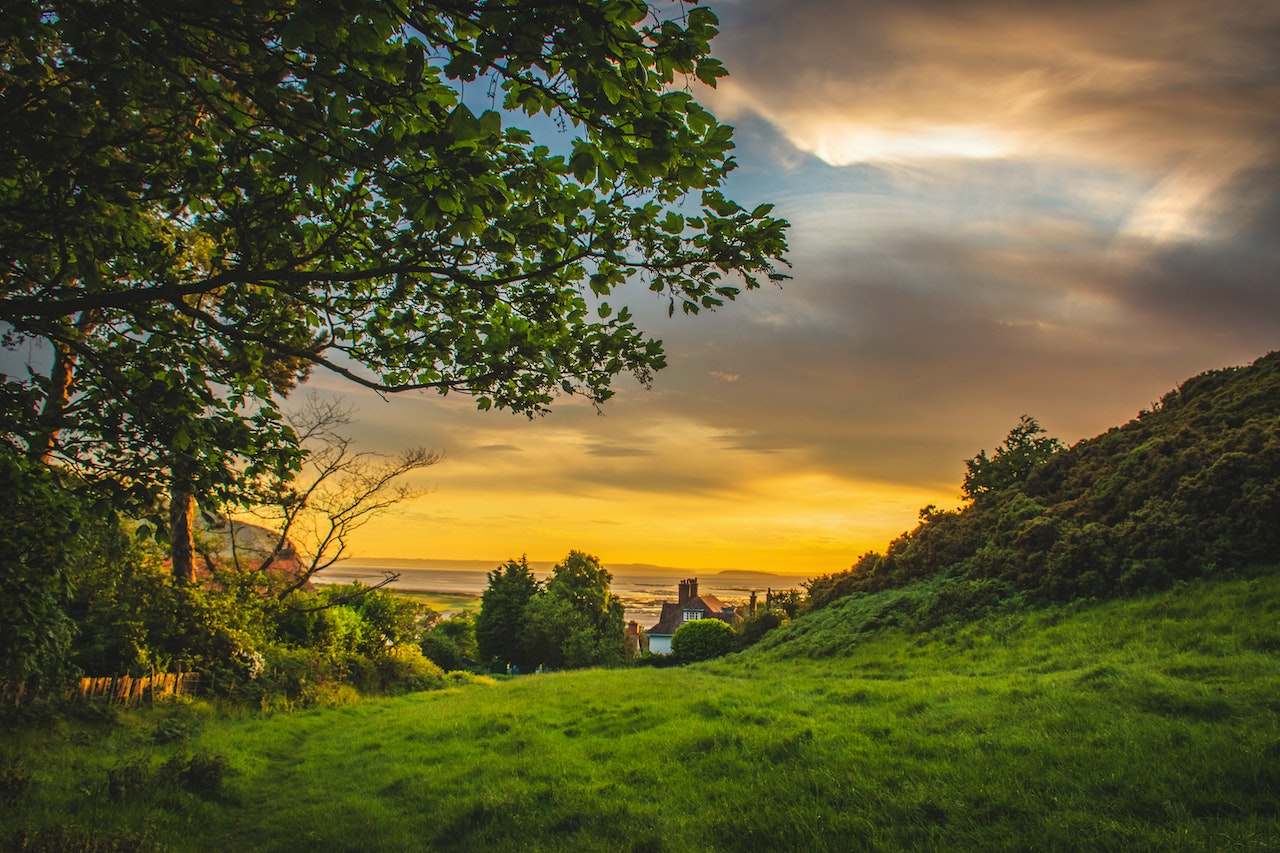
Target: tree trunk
{"type": "Point", "coordinates": [182, 510]}
{"type": "Point", "coordinates": [58, 395]}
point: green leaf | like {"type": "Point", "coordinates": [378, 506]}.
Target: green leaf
{"type": "Point", "coordinates": [462, 123]}
{"type": "Point", "coordinates": [490, 123]}
{"type": "Point", "coordinates": [708, 70]}
{"type": "Point", "coordinates": [701, 16]}
{"type": "Point", "coordinates": [583, 164]}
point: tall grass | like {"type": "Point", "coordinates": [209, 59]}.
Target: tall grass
{"type": "Point", "coordinates": [1148, 724]}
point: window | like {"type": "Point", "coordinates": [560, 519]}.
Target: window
{"type": "Point", "coordinates": [690, 615]}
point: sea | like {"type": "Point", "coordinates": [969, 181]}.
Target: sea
{"type": "Point", "coordinates": [641, 587]}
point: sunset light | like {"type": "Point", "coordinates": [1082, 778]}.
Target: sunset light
{"type": "Point", "coordinates": [649, 425]}
{"type": "Point", "coordinates": [997, 211]}
{"type": "Point", "coordinates": [846, 145]}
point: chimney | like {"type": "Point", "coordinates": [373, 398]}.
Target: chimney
{"type": "Point", "coordinates": [684, 591]}
{"type": "Point", "coordinates": [693, 587]}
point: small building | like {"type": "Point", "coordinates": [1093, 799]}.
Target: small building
{"type": "Point", "coordinates": [690, 606]}
{"type": "Point", "coordinates": [634, 640]}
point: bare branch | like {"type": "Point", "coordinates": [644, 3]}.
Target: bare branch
{"type": "Point", "coordinates": [340, 490]}
{"type": "Point", "coordinates": [337, 601]}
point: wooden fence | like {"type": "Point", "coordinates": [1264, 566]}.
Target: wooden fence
{"type": "Point", "coordinates": [125, 690]}
{"type": "Point", "coordinates": [121, 689]}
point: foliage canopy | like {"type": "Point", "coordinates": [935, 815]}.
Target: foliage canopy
{"type": "Point", "coordinates": [201, 203]}
{"type": "Point", "coordinates": [1025, 448]}
{"type": "Point", "coordinates": [571, 621]}
{"type": "Point", "coordinates": [500, 622]}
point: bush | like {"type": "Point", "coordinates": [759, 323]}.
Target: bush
{"type": "Point", "coordinates": [407, 670]}
{"type": "Point", "coordinates": [451, 643]}
{"type": "Point", "coordinates": [702, 639]}
{"type": "Point", "coordinates": [39, 526]}
{"type": "Point", "coordinates": [755, 627]}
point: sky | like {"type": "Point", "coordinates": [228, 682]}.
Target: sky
{"type": "Point", "coordinates": [998, 208]}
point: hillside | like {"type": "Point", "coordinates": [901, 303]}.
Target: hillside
{"type": "Point", "coordinates": [1142, 724]}
{"type": "Point", "coordinates": [1186, 489]}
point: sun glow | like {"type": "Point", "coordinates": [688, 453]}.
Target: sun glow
{"type": "Point", "coordinates": [844, 143]}
{"type": "Point", "coordinates": [807, 523]}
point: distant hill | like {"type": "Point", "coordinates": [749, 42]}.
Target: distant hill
{"type": "Point", "coordinates": [246, 546]}
{"type": "Point", "coordinates": [251, 541]}
{"type": "Point", "coordinates": [1188, 488]}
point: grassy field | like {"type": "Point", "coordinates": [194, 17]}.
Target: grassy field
{"type": "Point", "coordinates": [443, 602]}
{"type": "Point", "coordinates": [1146, 724]}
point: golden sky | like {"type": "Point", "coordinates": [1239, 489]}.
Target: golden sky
{"type": "Point", "coordinates": [1051, 208]}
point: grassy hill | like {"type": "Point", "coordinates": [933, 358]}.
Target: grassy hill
{"type": "Point", "coordinates": [1187, 488]}
{"type": "Point", "coordinates": [1150, 723]}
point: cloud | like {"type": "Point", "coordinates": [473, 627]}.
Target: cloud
{"type": "Point", "coordinates": [1182, 93]}
{"type": "Point", "coordinates": [1137, 68]}
{"type": "Point", "coordinates": [615, 451]}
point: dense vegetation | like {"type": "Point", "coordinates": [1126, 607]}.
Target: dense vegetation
{"type": "Point", "coordinates": [1188, 488]}
{"type": "Point", "coordinates": [1148, 723]}
{"type": "Point", "coordinates": [570, 621]}
{"type": "Point", "coordinates": [83, 595]}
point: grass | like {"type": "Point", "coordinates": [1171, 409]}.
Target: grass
{"type": "Point", "coordinates": [443, 602]}
{"type": "Point", "coordinates": [1146, 724]}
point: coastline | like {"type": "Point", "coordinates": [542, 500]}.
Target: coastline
{"type": "Point", "coordinates": [641, 587]}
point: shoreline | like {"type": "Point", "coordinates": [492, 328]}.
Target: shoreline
{"type": "Point", "coordinates": [641, 588]}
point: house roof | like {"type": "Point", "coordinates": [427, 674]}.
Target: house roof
{"type": "Point", "coordinates": [669, 621]}
{"type": "Point", "coordinates": [712, 604]}
{"type": "Point", "coordinates": [673, 613]}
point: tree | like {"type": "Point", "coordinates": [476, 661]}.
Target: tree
{"type": "Point", "coordinates": [1026, 448]}
{"type": "Point", "coordinates": [576, 621]}
{"type": "Point", "coordinates": [754, 626]}
{"type": "Point", "coordinates": [315, 511]}
{"type": "Point", "coordinates": [500, 623]}
{"type": "Point", "coordinates": [702, 639]}
{"type": "Point", "coordinates": [197, 199]}
{"type": "Point", "coordinates": [451, 643]}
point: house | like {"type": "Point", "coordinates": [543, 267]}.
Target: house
{"type": "Point", "coordinates": [690, 606]}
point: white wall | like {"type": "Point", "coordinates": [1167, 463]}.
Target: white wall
{"type": "Point", "coordinates": [659, 645]}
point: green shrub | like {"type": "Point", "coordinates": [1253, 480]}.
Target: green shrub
{"type": "Point", "coordinates": [451, 643]}
{"type": "Point", "coordinates": [755, 627]}
{"type": "Point", "coordinates": [406, 670]}
{"type": "Point", "coordinates": [40, 520]}
{"type": "Point", "coordinates": [702, 639]}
